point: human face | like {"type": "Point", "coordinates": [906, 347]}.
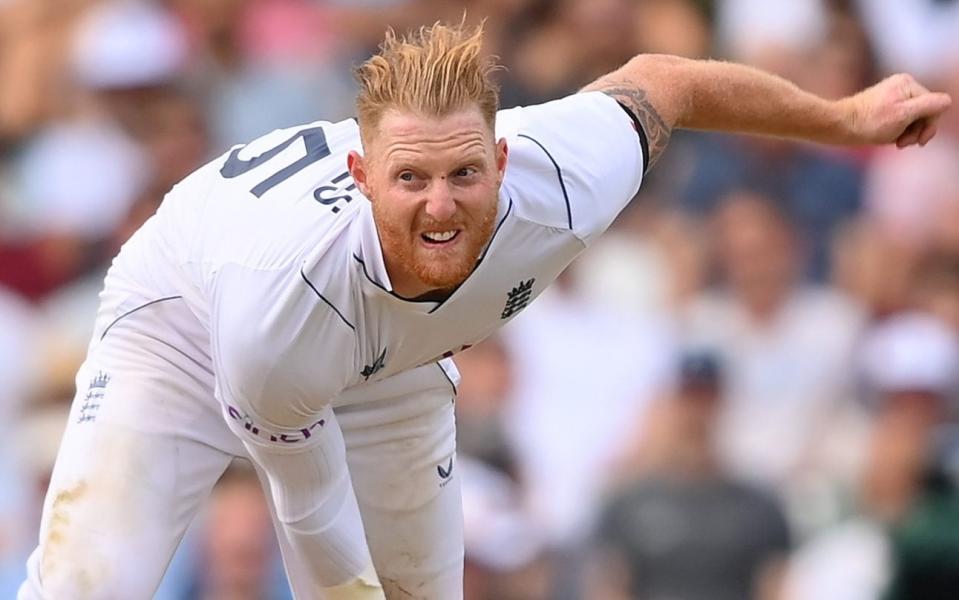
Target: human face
{"type": "Point", "coordinates": [756, 252]}
{"type": "Point", "coordinates": [434, 186]}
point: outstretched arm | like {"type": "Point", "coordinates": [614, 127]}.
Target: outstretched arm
{"type": "Point", "coordinates": [664, 92]}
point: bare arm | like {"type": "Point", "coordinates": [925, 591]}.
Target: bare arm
{"type": "Point", "coordinates": [664, 92]}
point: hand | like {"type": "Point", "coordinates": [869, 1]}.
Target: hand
{"type": "Point", "coordinates": [897, 109]}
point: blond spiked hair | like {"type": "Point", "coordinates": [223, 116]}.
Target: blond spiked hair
{"type": "Point", "coordinates": [433, 71]}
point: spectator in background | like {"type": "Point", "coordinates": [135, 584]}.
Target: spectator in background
{"type": "Point", "coordinates": [576, 41]}
{"type": "Point", "coordinates": [288, 55]}
{"type": "Point", "coordinates": [481, 403]}
{"type": "Point", "coordinates": [787, 348]}
{"type": "Point", "coordinates": [81, 174]}
{"type": "Point", "coordinates": [842, 60]}
{"type": "Point", "coordinates": [911, 364]}
{"type": "Point", "coordinates": [816, 192]}
{"type": "Point", "coordinates": [88, 179]}
{"type": "Point", "coordinates": [873, 268]}
{"type": "Point", "coordinates": [683, 529]}
{"type": "Point", "coordinates": [238, 554]}
{"type": "Point", "coordinates": [130, 59]}
{"type": "Point", "coordinates": [584, 376]}
{"type": "Point", "coordinates": [506, 556]}
{"type": "Point", "coordinates": [34, 36]}
{"type": "Point", "coordinates": [930, 215]}
{"type": "Point", "coordinates": [903, 249]}
{"type": "Point", "coordinates": [651, 262]}
{"type": "Point", "coordinates": [902, 540]}
{"type": "Point", "coordinates": [678, 27]}
{"type": "Point", "coordinates": [817, 189]}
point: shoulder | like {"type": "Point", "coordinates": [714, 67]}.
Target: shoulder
{"type": "Point", "coordinates": [565, 132]}
{"type": "Point", "coordinates": [274, 200]}
{"type": "Point", "coordinates": [558, 113]}
{"type": "Point", "coordinates": [573, 163]}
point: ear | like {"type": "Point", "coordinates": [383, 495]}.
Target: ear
{"type": "Point", "coordinates": [356, 165]}
{"type": "Point", "coordinates": [502, 150]}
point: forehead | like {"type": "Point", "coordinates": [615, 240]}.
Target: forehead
{"type": "Point", "coordinates": [407, 134]}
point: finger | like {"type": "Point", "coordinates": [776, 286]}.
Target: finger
{"type": "Point", "coordinates": [932, 104]}
{"type": "Point", "coordinates": [906, 86]}
{"type": "Point", "coordinates": [910, 135]}
{"type": "Point", "coordinates": [928, 132]}
{"type": "Point", "coordinates": [908, 139]}
{"type": "Point", "coordinates": [916, 88]}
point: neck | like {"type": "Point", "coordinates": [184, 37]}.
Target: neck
{"type": "Point", "coordinates": [408, 286]}
{"type": "Point", "coordinates": [432, 295]}
{"type": "Point", "coordinates": [405, 284]}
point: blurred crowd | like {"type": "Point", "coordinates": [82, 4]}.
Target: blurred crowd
{"type": "Point", "coordinates": [747, 389]}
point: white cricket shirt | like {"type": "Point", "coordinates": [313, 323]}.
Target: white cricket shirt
{"type": "Point", "coordinates": [275, 251]}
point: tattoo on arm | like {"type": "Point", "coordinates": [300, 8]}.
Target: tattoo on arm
{"type": "Point", "coordinates": [633, 98]}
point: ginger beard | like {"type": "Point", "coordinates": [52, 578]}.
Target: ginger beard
{"type": "Point", "coordinates": [441, 268]}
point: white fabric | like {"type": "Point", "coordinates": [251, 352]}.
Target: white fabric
{"type": "Point", "coordinates": [314, 503]}
{"type": "Point", "coordinates": [412, 513]}
{"type": "Point", "coordinates": [139, 457]}
{"type": "Point", "coordinates": [143, 447]}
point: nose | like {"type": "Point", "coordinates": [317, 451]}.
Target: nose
{"type": "Point", "coordinates": [440, 204]}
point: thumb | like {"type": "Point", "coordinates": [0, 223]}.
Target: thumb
{"type": "Point", "coordinates": [930, 104]}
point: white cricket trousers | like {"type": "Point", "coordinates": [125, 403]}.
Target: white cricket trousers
{"type": "Point", "coordinates": [147, 441]}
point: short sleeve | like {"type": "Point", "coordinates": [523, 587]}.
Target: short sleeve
{"type": "Point", "coordinates": [574, 163]}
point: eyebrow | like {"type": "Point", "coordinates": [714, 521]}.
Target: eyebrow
{"type": "Point", "coordinates": [470, 158]}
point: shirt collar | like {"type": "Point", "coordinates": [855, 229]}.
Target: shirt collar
{"type": "Point", "coordinates": [367, 249]}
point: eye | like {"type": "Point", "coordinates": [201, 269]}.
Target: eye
{"type": "Point", "coordinates": [406, 176]}
{"type": "Point", "coordinates": [465, 172]}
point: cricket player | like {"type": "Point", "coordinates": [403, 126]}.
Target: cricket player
{"type": "Point", "coordinates": [296, 301]}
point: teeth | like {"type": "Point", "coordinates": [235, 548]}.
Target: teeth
{"type": "Point", "coordinates": [439, 236]}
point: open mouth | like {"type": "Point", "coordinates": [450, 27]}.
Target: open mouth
{"type": "Point", "coordinates": [440, 238]}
